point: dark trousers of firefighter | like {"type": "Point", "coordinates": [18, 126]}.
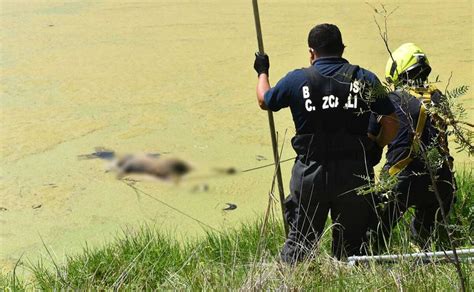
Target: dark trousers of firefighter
{"type": "Point", "coordinates": [414, 189]}
{"type": "Point", "coordinates": [318, 189]}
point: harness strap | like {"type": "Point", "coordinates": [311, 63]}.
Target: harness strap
{"type": "Point", "coordinates": [424, 96]}
{"type": "Point", "coordinates": [345, 74]}
{"type": "Point", "coordinates": [415, 146]}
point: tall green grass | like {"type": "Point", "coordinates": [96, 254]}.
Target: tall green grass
{"type": "Point", "coordinates": [242, 259]}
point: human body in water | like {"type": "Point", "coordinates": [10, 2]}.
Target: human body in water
{"type": "Point", "coordinates": [151, 164]}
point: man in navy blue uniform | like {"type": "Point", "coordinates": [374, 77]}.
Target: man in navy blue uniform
{"type": "Point", "coordinates": [331, 102]}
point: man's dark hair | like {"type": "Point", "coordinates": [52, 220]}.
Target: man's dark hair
{"type": "Point", "coordinates": [326, 40]}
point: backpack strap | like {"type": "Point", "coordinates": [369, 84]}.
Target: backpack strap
{"type": "Point", "coordinates": [345, 74]}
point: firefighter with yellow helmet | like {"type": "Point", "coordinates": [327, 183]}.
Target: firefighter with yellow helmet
{"type": "Point", "coordinates": [407, 70]}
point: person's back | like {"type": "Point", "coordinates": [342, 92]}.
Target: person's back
{"type": "Point", "coordinates": [330, 102]}
{"type": "Point", "coordinates": [420, 132]}
{"type": "Point", "coordinates": [408, 107]}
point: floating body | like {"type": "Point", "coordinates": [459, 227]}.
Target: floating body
{"type": "Point", "coordinates": [152, 164]}
{"type": "Point", "coordinates": [162, 168]}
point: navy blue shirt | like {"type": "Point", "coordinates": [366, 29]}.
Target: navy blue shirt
{"type": "Point", "coordinates": [289, 89]}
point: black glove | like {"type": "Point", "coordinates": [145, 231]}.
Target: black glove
{"type": "Point", "coordinates": [374, 154]}
{"type": "Point", "coordinates": [261, 64]}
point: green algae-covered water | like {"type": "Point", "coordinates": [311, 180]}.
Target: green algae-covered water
{"type": "Point", "coordinates": [170, 77]}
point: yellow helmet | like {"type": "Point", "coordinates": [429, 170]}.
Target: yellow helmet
{"type": "Point", "coordinates": [407, 63]}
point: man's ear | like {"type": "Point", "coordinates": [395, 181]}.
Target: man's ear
{"type": "Point", "coordinates": [312, 56]}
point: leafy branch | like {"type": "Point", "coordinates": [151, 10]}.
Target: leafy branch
{"type": "Point", "coordinates": [446, 113]}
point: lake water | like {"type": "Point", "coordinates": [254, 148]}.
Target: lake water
{"type": "Point", "coordinates": [169, 77]}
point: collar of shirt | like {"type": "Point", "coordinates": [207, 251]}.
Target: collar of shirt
{"type": "Point", "coordinates": [330, 61]}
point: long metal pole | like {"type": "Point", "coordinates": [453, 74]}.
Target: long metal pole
{"type": "Point", "coordinates": [271, 122]}
{"type": "Point", "coordinates": [420, 255]}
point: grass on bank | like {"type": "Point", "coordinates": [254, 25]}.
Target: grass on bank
{"type": "Point", "coordinates": [240, 258]}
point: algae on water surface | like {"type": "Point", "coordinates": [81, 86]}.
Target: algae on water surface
{"type": "Point", "coordinates": [165, 76]}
